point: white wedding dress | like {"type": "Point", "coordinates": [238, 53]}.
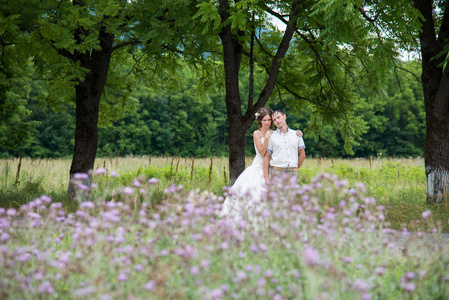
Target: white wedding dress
{"type": "Point", "coordinates": [244, 199]}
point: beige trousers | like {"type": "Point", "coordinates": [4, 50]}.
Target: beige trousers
{"type": "Point", "coordinates": [279, 173]}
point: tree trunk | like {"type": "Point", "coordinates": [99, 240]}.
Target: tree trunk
{"type": "Point", "coordinates": [236, 150]}
{"type": "Point", "coordinates": [237, 125]}
{"type": "Point", "coordinates": [88, 95]}
{"type": "Point", "coordinates": [435, 81]}
{"type": "Point", "coordinates": [232, 55]}
{"type": "Point", "coordinates": [436, 145]}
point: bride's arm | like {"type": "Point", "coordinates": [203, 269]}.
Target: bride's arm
{"type": "Point", "coordinates": [261, 147]}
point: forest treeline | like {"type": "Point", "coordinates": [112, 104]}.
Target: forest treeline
{"type": "Point", "coordinates": [182, 122]}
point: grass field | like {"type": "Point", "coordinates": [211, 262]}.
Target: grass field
{"type": "Point", "coordinates": [399, 184]}
{"type": "Point", "coordinates": [130, 236]}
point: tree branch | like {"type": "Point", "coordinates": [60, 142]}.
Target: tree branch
{"type": "Point", "coordinates": [63, 52]}
{"type": "Point", "coordinates": [410, 72]}
{"type": "Point", "coordinates": [276, 14]}
{"type": "Point", "coordinates": [280, 54]}
{"type": "Point", "coordinates": [132, 42]}
{"type": "Point", "coordinates": [293, 93]}
{"type": "Point", "coordinates": [369, 19]}
{"type": "Point", "coordinates": [251, 67]}
{"type": "Point", "coordinates": [444, 28]}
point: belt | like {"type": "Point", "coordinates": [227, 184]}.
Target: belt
{"type": "Point", "coordinates": [286, 169]}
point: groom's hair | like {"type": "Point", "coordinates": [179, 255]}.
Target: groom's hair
{"type": "Point", "coordinates": [279, 111]}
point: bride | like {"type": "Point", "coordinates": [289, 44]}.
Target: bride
{"type": "Point", "coordinates": [245, 195]}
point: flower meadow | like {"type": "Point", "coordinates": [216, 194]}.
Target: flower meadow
{"type": "Point", "coordinates": [322, 240]}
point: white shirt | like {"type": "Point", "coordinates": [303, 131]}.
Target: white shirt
{"type": "Point", "coordinates": [284, 149]}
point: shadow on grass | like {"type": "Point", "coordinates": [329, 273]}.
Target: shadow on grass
{"type": "Point", "coordinates": [16, 196]}
{"type": "Point", "coordinates": [406, 208]}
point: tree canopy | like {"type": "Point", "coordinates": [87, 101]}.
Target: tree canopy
{"type": "Point", "coordinates": [331, 64]}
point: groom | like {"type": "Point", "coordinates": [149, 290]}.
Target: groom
{"type": "Point", "coordinates": [285, 151]}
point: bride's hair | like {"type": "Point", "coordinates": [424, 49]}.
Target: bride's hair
{"type": "Point", "coordinates": [261, 113]}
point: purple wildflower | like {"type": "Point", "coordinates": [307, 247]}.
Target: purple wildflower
{"type": "Point", "coordinates": [277, 297]}
{"type": "Point", "coordinates": [56, 205]}
{"type": "Point", "coordinates": [348, 259]}
{"type": "Point", "coordinates": [224, 245]}
{"type": "Point", "coordinates": [410, 275]}
{"type": "Point", "coordinates": [253, 248]}
{"type": "Point", "coordinates": [100, 171]}
{"type": "Point", "coordinates": [150, 285]}
{"type": "Point", "coordinates": [361, 285]}
{"type": "Point", "coordinates": [171, 189]}
{"type": "Point", "coordinates": [263, 247]}
{"type": "Point", "coordinates": [87, 204]}
{"type": "Point", "coordinates": [426, 214]}
{"type": "Point", "coordinates": [379, 271]}
{"type": "Point", "coordinates": [268, 273]}
{"type": "Point", "coordinates": [11, 212]}
{"type": "Point", "coordinates": [128, 190]}
{"type": "Point", "coordinates": [45, 198]}
{"type": "Point", "coordinates": [83, 292]}
{"type": "Point", "coordinates": [265, 213]}
{"type": "Point", "coordinates": [311, 256]}
{"type": "Point", "coordinates": [82, 186]}
{"type": "Point", "coordinates": [409, 286]}
{"type": "Point", "coordinates": [216, 294]}
{"type": "Point", "coordinates": [241, 275]}
{"type": "Point", "coordinates": [194, 270]}
{"type": "Point", "coordinates": [46, 287]}
{"type": "Point", "coordinates": [4, 236]}
{"type": "Point", "coordinates": [81, 176]}
{"type": "Point", "coordinates": [366, 296]}
{"type": "Point", "coordinates": [205, 263]}
{"type": "Point", "coordinates": [122, 277]}
{"type": "Point", "coordinates": [153, 180]}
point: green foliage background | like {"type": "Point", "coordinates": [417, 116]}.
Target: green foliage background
{"type": "Point", "coordinates": [181, 121]}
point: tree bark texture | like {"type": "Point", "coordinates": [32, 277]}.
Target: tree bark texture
{"type": "Point", "coordinates": [435, 81]}
{"type": "Point", "coordinates": [88, 95]}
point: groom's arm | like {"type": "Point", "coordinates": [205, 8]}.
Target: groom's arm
{"type": "Point", "coordinates": [301, 152]}
{"type": "Point", "coordinates": [266, 165]}
{"type": "Point", "coordinates": [301, 156]}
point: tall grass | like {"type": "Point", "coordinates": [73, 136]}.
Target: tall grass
{"type": "Point", "coordinates": [398, 184]}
